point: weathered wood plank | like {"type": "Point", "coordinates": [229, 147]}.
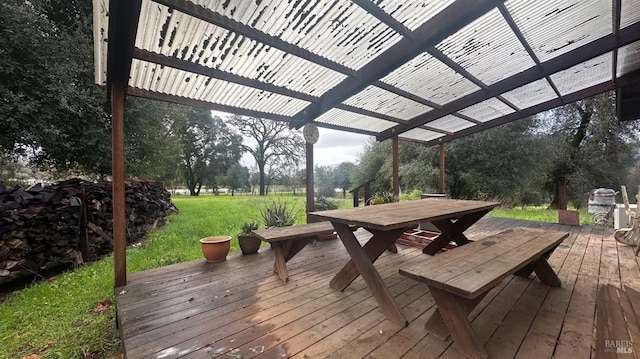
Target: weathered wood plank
{"type": "Point", "coordinates": [405, 214]}
{"type": "Point", "coordinates": [576, 333]}
{"type": "Point", "coordinates": [548, 322]}
{"type": "Point", "coordinates": [471, 269]}
{"type": "Point", "coordinates": [306, 319]}
{"type": "Point", "coordinates": [275, 234]}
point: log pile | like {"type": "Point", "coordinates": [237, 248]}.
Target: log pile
{"type": "Point", "coordinates": [43, 227]}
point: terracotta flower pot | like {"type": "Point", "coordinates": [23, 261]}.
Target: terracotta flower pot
{"type": "Point", "coordinates": [216, 248]}
{"type": "Point", "coordinates": [249, 244]}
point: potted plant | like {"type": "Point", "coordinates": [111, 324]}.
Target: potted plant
{"type": "Point", "coordinates": [278, 214]}
{"type": "Point", "coordinates": [249, 244]}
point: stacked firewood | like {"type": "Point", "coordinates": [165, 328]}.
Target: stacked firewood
{"type": "Point", "coordinates": [71, 222]}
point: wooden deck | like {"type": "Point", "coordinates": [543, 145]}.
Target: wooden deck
{"type": "Point", "coordinates": [240, 309]}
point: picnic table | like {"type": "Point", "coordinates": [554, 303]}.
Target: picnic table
{"type": "Point", "coordinates": [387, 222]}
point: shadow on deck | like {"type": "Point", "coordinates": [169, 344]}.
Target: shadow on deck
{"type": "Point", "coordinates": [239, 308]}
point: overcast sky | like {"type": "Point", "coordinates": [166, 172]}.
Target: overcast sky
{"type": "Point", "coordinates": [332, 148]}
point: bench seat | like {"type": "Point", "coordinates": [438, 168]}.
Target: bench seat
{"type": "Point", "coordinates": [460, 278]}
{"type": "Point", "coordinates": [288, 241]}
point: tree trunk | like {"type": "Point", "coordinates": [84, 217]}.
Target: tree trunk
{"type": "Point", "coordinates": [262, 178]}
{"type": "Point", "coordinates": [585, 113]}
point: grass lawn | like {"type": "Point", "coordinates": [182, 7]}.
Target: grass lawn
{"type": "Point", "coordinates": [538, 214]}
{"type": "Point", "coordinates": [73, 315]}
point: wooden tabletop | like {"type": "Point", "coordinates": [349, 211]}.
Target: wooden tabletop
{"type": "Point", "coordinates": [403, 214]}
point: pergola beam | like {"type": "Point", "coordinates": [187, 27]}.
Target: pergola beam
{"type": "Point", "coordinates": [562, 62]}
{"type": "Point", "coordinates": [436, 29]}
{"type": "Point", "coordinates": [198, 69]}
{"type": "Point", "coordinates": [385, 18]}
{"type": "Point", "coordinates": [212, 17]}
{"type": "Point", "coordinates": [516, 30]}
{"type": "Point", "coordinates": [630, 78]}
{"type": "Point", "coordinates": [138, 92]}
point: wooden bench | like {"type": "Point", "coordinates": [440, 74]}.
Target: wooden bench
{"type": "Point", "coordinates": [617, 322]}
{"type": "Point", "coordinates": [288, 241]}
{"type": "Point", "coordinates": [460, 278]}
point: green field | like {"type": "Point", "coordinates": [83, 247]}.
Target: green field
{"type": "Point", "coordinates": [73, 316]}
{"type": "Point", "coordinates": [538, 214]}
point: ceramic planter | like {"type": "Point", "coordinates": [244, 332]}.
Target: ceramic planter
{"type": "Point", "coordinates": [249, 244]}
{"type": "Point", "coordinates": [216, 248]}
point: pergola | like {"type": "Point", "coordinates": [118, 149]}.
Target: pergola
{"type": "Point", "coordinates": [412, 70]}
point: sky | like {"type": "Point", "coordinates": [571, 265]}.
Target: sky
{"type": "Point", "coordinates": [332, 148]}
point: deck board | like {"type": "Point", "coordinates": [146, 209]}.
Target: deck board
{"type": "Point", "coordinates": [202, 310]}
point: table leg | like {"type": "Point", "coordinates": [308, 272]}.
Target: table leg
{"type": "Point", "coordinates": [455, 316]}
{"type": "Point", "coordinates": [452, 231]}
{"type": "Point", "coordinates": [373, 248]}
{"type": "Point", "coordinates": [363, 260]}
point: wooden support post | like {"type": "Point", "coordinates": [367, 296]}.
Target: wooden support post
{"type": "Point", "coordinates": [310, 184]}
{"type": "Point", "coordinates": [367, 193]}
{"type": "Point", "coordinates": [442, 189]}
{"type": "Point", "coordinates": [356, 199]}
{"type": "Point", "coordinates": [562, 193]}
{"type": "Point", "coordinates": [118, 93]}
{"type": "Point", "coordinates": [396, 166]}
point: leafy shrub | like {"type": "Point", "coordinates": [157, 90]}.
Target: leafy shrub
{"type": "Point", "coordinates": [323, 204]}
{"type": "Point", "coordinates": [384, 197]}
{"type": "Point", "coordinates": [278, 214]}
{"type": "Point", "coordinates": [410, 196]}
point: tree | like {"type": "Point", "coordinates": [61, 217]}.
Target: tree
{"type": "Point", "coordinates": [293, 178]}
{"type": "Point", "coordinates": [325, 181]}
{"type": "Point", "coordinates": [210, 147]}
{"type": "Point", "coordinates": [238, 178]}
{"type": "Point", "coordinates": [52, 113]}
{"type": "Point", "coordinates": [342, 174]}
{"type": "Point", "coordinates": [276, 146]}
{"type": "Point", "coordinates": [588, 146]}
{"type": "Point", "coordinates": [153, 147]}
{"type": "Point", "coordinates": [502, 163]}
{"type": "Point", "coordinates": [375, 164]}
{"type": "Point", "coordinates": [505, 163]}
{"type": "Point", "coordinates": [49, 106]}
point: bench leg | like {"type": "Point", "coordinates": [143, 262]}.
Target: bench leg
{"type": "Point", "coordinates": [435, 324]}
{"type": "Point", "coordinates": [280, 266]}
{"type": "Point", "coordinates": [295, 246]}
{"type": "Point", "coordinates": [454, 312]}
{"type": "Point", "coordinates": [545, 273]}
{"type": "Point", "coordinates": [284, 251]}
